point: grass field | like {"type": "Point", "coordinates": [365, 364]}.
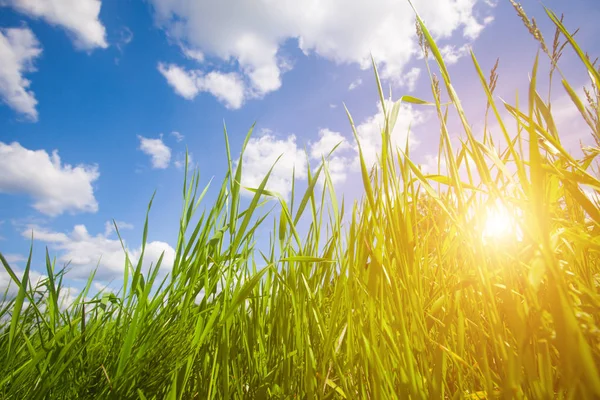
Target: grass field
{"type": "Point", "coordinates": [480, 281]}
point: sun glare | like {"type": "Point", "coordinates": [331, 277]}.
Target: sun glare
{"type": "Point", "coordinates": [500, 224]}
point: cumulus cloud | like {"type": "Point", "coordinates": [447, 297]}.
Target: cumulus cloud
{"type": "Point", "coordinates": [260, 155]}
{"type": "Point", "coordinates": [261, 152]}
{"type": "Point", "coordinates": [65, 299]}
{"type": "Point", "coordinates": [410, 78]}
{"type": "Point", "coordinates": [10, 287]}
{"type": "Point", "coordinates": [228, 88]}
{"type": "Point", "coordinates": [78, 17]}
{"type": "Point", "coordinates": [452, 54]}
{"type": "Point", "coordinates": [182, 81]}
{"type": "Point", "coordinates": [369, 132]}
{"type": "Point", "coordinates": [339, 161]}
{"type": "Point", "coordinates": [251, 34]}
{"type": "Point", "coordinates": [328, 139]}
{"type": "Point", "coordinates": [18, 50]}
{"type": "Point", "coordinates": [55, 187]}
{"type": "Point", "coordinates": [85, 251]}
{"type": "Point", "coordinates": [159, 152]}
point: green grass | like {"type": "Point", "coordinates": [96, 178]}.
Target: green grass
{"type": "Point", "coordinates": [406, 300]}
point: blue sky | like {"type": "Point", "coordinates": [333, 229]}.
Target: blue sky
{"type": "Point", "coordinates": [99, 100]}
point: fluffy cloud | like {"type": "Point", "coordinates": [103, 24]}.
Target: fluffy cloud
{"type": "Point", "coordinates": [327, 141]}
{"type": "Point", "coordinates": [342, 31]}
{"type": "Point", "coordinates": [54, 186]}
{"type": "Point", "coordinates": [346, 156]}
{"type": "Point", "coordinates": [369, 132]}
{"type": "Point", "coordinates": [432, 165]}
{"type": "Point", "coordinates": [8, 285]}
{"type": "Point", "coordinates": [182, 81]}
{"type": "Point", "coordinates": [260, 155]}
{"type": "Point", "coordinates": [158, 151]}
{"type": "Point", "coordinates": [178, 136]}
{"type": "Point", "coordinates": [78, 17]}
{"type": "Point", "coordinates": [84, 251]}
{"type": "Point", "coordinates": [451, 54]}
{"type": "Point", "coordinates": [18, 49]}
{"type": "Point", "coordinates": [355, 84]}
{"type": "Point", "coordinates": [262, 151]}
{"type": "Point", "coordinates": [410, 78]}
{"type": "Point", "coordinates": [193, 54]}
{"type": "Point", "coordinates": [339, 162]}
{"type": "Point", "coordinates": [228, 88]}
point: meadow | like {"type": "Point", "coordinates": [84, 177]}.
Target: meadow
{"type": "Point", "coordinates": [409, 293]}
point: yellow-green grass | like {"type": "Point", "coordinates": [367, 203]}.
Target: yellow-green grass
{"type": "Point", "coordinates": [409, 300]}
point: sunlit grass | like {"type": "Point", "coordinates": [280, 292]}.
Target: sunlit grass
{"type": "Point", "coordinates": [439, 286]}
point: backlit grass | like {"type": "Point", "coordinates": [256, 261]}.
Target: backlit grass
{"type": "Point", "coordinates": [482, 281]}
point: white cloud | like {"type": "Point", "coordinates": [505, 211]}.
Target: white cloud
{"type": "Point", "coordinates": [178, 136]}
{"type": "Point", "coordinates": [180, 161]}
{"type": "Point", "coordinates": [346, 156]}
{"type": "Point", "coordinates": [333, 106]}
{"type": "Point", "coordinates": [109, 227]}
{"type": "Point", "coordinates": [66, 297]}
{"type": "Point", "coordinates": [105, 288]}
{"type": "Point", "coordinates": [343, 31]}
{"type": "Point", "coordinates": [228, 88]}
{"type": "Point", "coordinates": [451, 54]}
{"type": "Point", "coordinates": [183, 82]}
{"type": "Point", "coordinates": [158, 151]}
{"type": "Point", "coordinates": [84, 251]}
{"type": "Point", "coordinates": [369, 132]}
{"type": "Point", "coordinates": [261, 152]}
{"type": "Point", "coordinates": [260, 155]}
{"type": "Point", "coordinates": [193, 54]}
{"type": "Point", "coordinates": [6, 281]}
{"type": "Point", "coordinates": [356, 83]}
{"type": "Point", "coordinates": [338, 168]}
{"type": "Point", "coordinates": [338, 164]}
{"type": "Point", "coordinates": [14, 258]}
{"type": "Point", "coordinates": [433, 165]}
{"type": "Point", "coordinates": [18, 49]}
{"type": "Point", "coordinates": [78, 17]}
{"type": "Point", "coordinates": [411, 77]}
{"type": "Point", "coordinates": [55, 187]}
{"type": "Point", "coordinates": [327, 141]}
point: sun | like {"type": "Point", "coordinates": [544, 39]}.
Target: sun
{"type": "Point", "coordinates": [500, 223]}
